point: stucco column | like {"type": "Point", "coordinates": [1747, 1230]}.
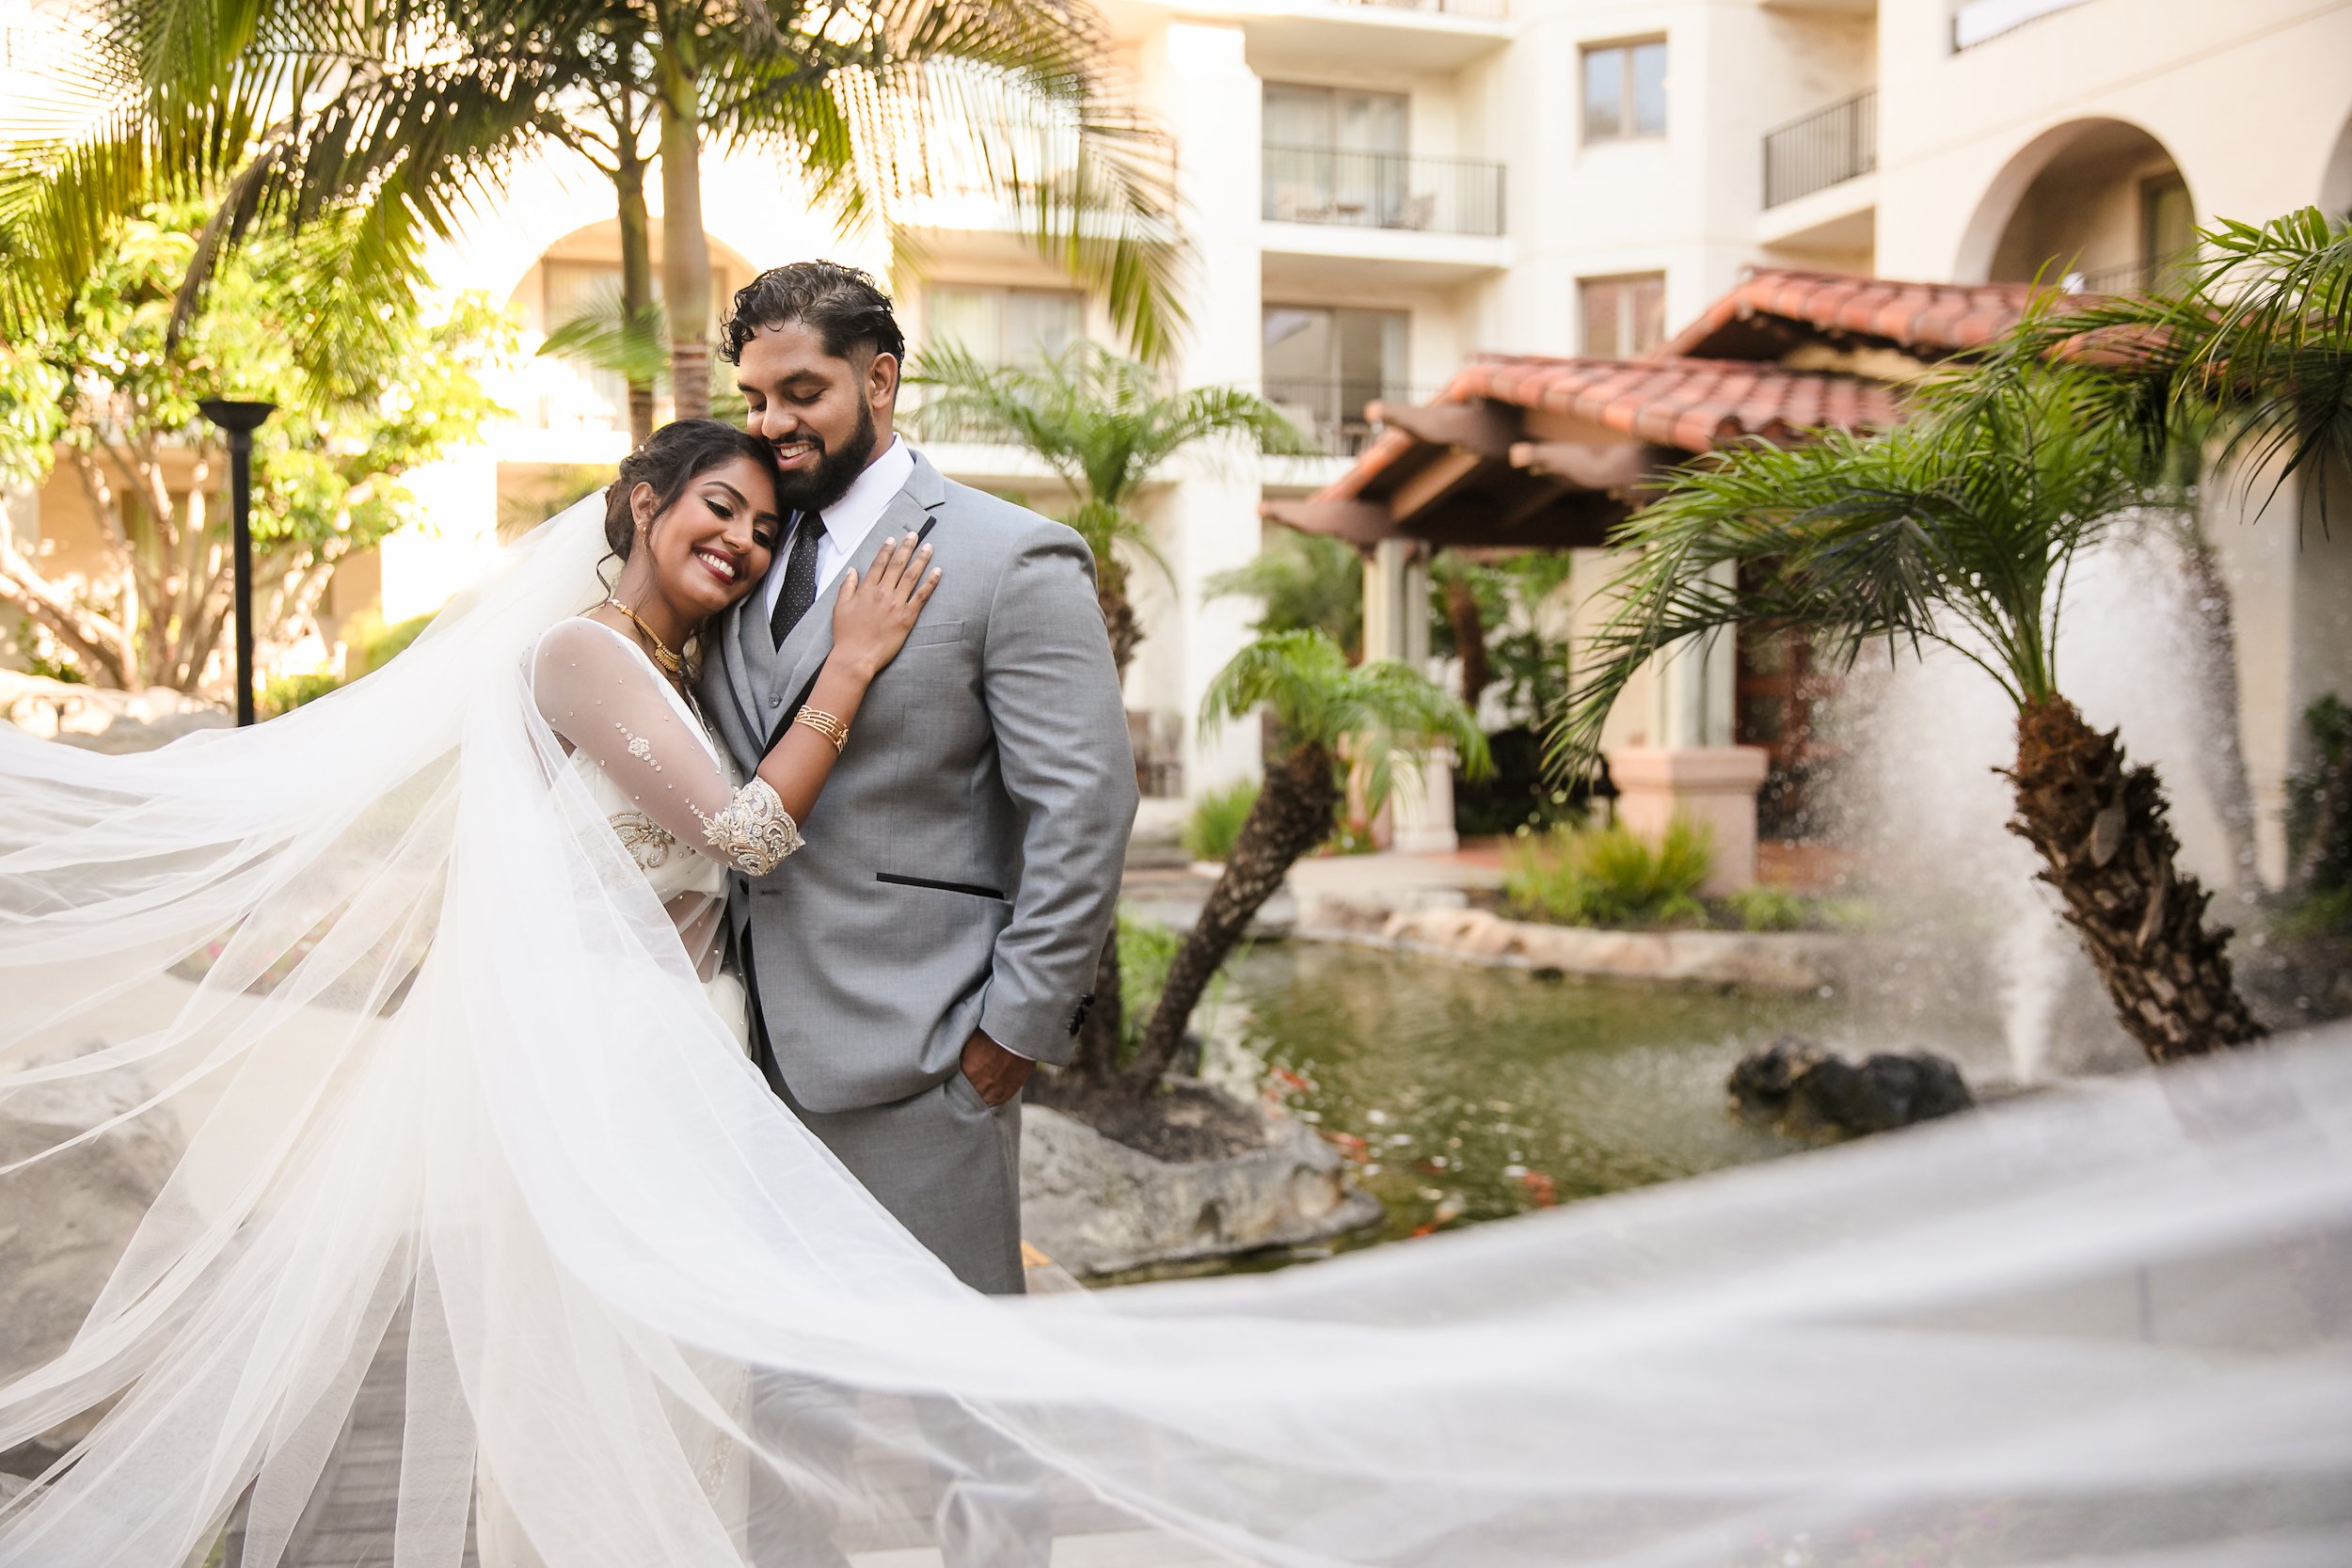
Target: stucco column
{"type": "Point", "coordinates": [1208, 522]}
{"type": "Point", "coordinates": [1690, 768]}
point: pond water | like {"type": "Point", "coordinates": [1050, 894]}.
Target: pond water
{"type": "Point", "coordinates": [1465, 1093]}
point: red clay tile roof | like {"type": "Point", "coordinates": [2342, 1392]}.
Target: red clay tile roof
{"type": "Point", "coordinates": [1932, 319]}
{"type": "Point", "coordinates": [1696, 405]}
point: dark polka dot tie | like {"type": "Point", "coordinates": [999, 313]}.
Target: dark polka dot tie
{"type": "Point", "coordinates": [800, 577]}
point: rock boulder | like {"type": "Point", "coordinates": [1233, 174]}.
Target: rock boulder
{"type": "Point", "coordinates": [1796, 1087]}
{"type": "Point", "coordinates": [1099, 1207]}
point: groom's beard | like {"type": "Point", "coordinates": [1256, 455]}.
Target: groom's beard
{"type": "Point", "coordinates": [835, 471]}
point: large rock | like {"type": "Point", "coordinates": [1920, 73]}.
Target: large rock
{"type": "Point", "coordinates": [1797, 1087]}
{"type": "Point", "coordinates": [1099, 1207]}
{"type": "Point", "coordinates": [67, 1222]}
{"type": "Point", "coordinates": [1413, 922]}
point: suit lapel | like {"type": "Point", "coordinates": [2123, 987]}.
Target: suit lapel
{"type": "Point", "coordinates": [735, 660]}
{"type": "Point", "coordinates": [808, 645]}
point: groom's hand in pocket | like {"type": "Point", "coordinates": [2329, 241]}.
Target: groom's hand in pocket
{"type": "Point", "coordinates": [995, 1071]}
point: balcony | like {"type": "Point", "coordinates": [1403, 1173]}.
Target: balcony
{"type": "Point", "coordinates": [1324, 185]}
{"type": "Point", "coordinates": [1312, 38]}
{"type": "Point", "coordinates": [1331, 412]}
{"type": "Point", "coordinates": [1826, 148]}
{"type": "Point", "coordinates": [1976, 22]}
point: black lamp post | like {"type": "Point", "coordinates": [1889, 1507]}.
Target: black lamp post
{"type": "Point", "coordinates": [240, 420]}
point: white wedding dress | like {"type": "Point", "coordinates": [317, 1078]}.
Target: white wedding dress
{"type": "Point", "coordinates": [439, 1095]}
{"type": "Point", "coordinates": [659, 775]}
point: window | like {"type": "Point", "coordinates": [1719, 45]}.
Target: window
{"type": "Point", "coordinates": [1621, 316]}
{"type": "Point", "coordinates": [1624, 91]}
{"type": "Point", "coordinates": [1335, 155]}
{"type": "Point", "coordinates": [570, 287]}
{"type": "Point", "coordinates": [2168, 233]}
{"type": "Point", "coordinates": [1005, 327]}
{"type": "Point", "coordinates": [1322, 365]}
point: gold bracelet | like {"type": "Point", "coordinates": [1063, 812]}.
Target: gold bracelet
{"type": "Point", "coordinates": [830, 726]}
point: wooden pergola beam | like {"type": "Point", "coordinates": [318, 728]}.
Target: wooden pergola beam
{"type": "Point", "coordinates": [1607, 466]}
{"type": "Point", "coordinates": [1359, 522]}
{"type": "Point", "coordinates": [1483, 426]}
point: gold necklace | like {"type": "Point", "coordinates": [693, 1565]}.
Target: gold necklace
{"type": "Point", "coordinates": [671, 663]}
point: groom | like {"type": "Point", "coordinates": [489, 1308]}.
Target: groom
{"type": "Point", "coordinates": [938, 935]}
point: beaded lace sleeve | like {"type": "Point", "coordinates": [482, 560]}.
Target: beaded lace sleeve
{"type": "Point", "coordinates": [596, 690]}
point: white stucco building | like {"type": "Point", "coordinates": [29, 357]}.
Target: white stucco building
{"type": "Point", "coordinates": [1376, 191]}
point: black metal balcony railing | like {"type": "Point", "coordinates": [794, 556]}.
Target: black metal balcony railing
{"type": "Point", "coordinates": [1824, 148]}
{"type": "Point", "coordinates": [1383, 190]}
{"type": "Point", "coordinates": [1331, 411]}
{"type": "Point", "coordinates": [2129, 278]}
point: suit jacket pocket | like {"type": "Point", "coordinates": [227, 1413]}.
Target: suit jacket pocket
{"type": "Point", "coordinates": [927, 632]}
{"type": "Point", "coordinates": [972, 890]}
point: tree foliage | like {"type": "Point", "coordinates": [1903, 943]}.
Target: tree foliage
{"type": "Point", "coordinates": [1302, 582]}
{"type": "Point", "coordinates": [412, 114]}
{"type": "Point", "coordinates": [1957, 527]}
{"type": "Point", "coordinates": [1103, 423]}
{"type": "Point", "coordinates": [106, 390]}
{"type": "Point", "coordinates": [1372, 714]}
{"type": "Point", "coordinates": [2248, 361]}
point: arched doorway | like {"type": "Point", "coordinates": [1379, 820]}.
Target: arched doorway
{"type": "Point", "coordinates": [580, 273]}
{"type": "Point", "coordinates": [2335, 182]}
{"type": "Point", "coordinates": [2098, 205]}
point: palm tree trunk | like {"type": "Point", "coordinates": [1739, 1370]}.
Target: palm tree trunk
{"type": "Point", "coordinates": [1294, 813]}
{"type": "Point", "coordinates": [1119, 619]}
{"type": "Point", "coordinates": [636, 278]}
{"type": "Point", "coordinates": [1095, 1063]}
{"type": "Point", "coordinates": [685, 250]}
{"type": "Point", "coordinates": [1469, 639]}
{"type": "Point", "coordinates": [2100, 827]}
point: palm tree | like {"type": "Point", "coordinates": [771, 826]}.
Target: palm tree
{"type": "Point", "coordinates": [1333, 718]}
{"type": "Point", "coordinates": [1105, 423]}
{"type": "Point", "coordinates": [2251, 360]}
{"type": "Point", "coordinates": [414, 111]}
{"type": "Point", "coordinates": [1302, 581]}
{"type": "Point", "coordinates": [1958, 529]}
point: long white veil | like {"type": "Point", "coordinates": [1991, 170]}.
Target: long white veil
{"type": "Point", "coordinates": [470, 1232]}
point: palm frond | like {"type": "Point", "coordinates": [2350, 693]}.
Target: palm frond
{"type": "Point", "coordinates": [2253, 351]}
{"type": "Point", "coordinates": [1957, 529]}
{"type": "Point", "coordinates": [1375, 713]}
{"type": "Point", "coordinates": [603, 334]}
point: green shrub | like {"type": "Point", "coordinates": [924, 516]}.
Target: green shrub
{"type": "Point", "coordinates": [1145, 949]}
{"type": "Point", "coordinates": [367, 642]}
{"type": "Point", "coordinates": [284, 693]}
{"type": "Point", "coordinates": [1214, 826]}
{"type": "Point", "coordinates": [1609, 876]}
{"type": "Point", "coordinates": [1765, 908]}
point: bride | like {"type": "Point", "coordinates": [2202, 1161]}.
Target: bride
{"type": "Point", "coordinates": [471, 1222]}
{"type": "Point", "coordinates": [693, 520]}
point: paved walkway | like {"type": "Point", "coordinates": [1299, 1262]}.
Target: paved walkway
{"type": "Point", "coordinates": [1172, 893]}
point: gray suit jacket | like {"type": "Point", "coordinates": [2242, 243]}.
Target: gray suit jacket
{"type": "Point", "coordinates": [963, 861]}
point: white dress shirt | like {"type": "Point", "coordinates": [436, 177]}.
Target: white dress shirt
{"type": "Point", "coordinates": [848, 521]}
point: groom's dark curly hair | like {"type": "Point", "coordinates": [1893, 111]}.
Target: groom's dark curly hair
{"type": "Point", "coordinates": [845, 309]}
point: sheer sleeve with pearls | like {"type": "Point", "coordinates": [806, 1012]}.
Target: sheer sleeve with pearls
{"type": "Point", "coordinates": [597, 692]}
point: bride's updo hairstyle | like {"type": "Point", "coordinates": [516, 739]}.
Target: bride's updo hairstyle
{"type": "Point", "coordinates": [673, 458]}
